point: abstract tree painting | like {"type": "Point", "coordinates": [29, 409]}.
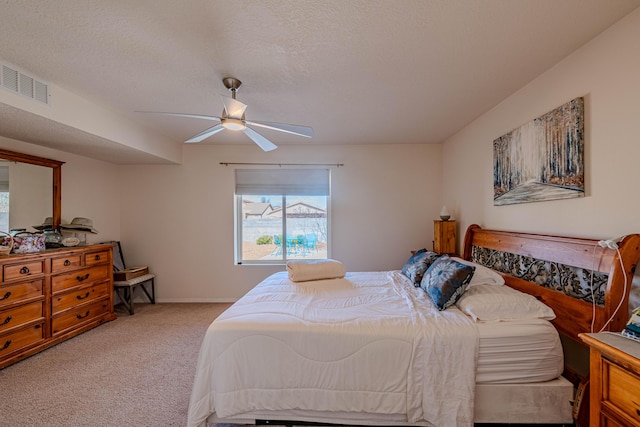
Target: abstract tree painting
{"type": "Point", "coordinates": [542, 159]}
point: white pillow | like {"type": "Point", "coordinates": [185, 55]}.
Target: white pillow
{"type": "Point", "coordinates": [482, 275]}
{"type": "Point", "coordinates": [488, 303]}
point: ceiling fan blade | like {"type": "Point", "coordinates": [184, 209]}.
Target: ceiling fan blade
{"type": "Point", "coordinates": [192, 116]}
{"type": "Point", "coordinates": [233, 107]}
{"type": "Point", "coordinates": [205, 134]}
{"type": "Point", "coordinates": [305, 131]}
{"type": "Point", "coordinates": [262, 142]}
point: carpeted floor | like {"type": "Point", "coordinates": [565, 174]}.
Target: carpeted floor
{"type": "Point", "coordinates": [135, 371]}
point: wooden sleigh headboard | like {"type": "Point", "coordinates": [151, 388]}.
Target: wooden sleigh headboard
{"type": "Point", "coordinates": [559, 271]}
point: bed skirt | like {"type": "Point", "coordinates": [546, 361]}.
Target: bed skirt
{"type": "Point", "coordinates": [548, 402]}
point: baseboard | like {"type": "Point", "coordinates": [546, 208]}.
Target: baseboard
{"type": "Point", "coordinates": [195, 300]}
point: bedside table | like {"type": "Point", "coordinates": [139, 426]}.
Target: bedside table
{"type": "Point", "coordinates": [444, 237]}
{"type": "Point", "coordinates": [615, 380]}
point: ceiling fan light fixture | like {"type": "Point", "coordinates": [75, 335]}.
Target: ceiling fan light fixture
{"type": "Point", "coordinates": [233, 118]}
{"type": "Point", "coordinates": [233, 124]}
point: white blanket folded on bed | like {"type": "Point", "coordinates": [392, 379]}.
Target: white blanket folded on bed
{"type": "Point", "coordinates": [302, 271]}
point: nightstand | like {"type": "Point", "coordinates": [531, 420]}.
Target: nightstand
{"type": "Point", "coordinates": [615, 380]}
{"type": "Point", "coordinates": [444, 237]}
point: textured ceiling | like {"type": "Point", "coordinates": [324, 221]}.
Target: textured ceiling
{"type": "Point", "coordinates": [357, 71]}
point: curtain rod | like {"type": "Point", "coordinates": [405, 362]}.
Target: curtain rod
{"type": "Point", "coordinates": [283, 164]}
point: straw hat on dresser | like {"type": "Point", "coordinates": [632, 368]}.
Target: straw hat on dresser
{"type": "Point", "coordinates": [46, 225]}
{"type": "Point", "coordinates": [80, 225]}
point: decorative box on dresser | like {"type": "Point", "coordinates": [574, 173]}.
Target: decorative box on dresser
{"type": "Point", "coordinates": [615, 380]}
{"type": "Point", "coordinates": [50, 296]}
{"type": "Point", "coordinates": [444, 237]}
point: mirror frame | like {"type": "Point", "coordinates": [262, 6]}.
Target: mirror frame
{"type": "Point", "coordinates": [55, 165]}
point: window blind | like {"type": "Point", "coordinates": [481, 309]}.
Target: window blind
{"type": "Point", "coordinates": [287, 182]}
{"type": "Point", "coordinates": [4, 178]}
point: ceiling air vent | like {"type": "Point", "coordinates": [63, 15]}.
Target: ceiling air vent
{"type": "Point", "coordinates": [25, 85]}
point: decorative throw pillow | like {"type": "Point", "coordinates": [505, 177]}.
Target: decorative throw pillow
{"type": "Point", "coordinates": [418, 263]}
{"type": "Point", "coordinates": [445, 280]}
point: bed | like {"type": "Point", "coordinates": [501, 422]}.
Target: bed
{"type": "Point", "coordinates": [371, 348]}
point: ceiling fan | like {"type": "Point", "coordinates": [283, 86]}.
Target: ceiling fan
{"type": "Point", "coordinates": [233, 118]}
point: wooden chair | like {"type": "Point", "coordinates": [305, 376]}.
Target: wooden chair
{"type": "Point", "coordinates": [125, 289]}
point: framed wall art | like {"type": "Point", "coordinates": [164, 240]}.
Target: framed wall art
{"type": "Point", "coordinates": [542, 159]}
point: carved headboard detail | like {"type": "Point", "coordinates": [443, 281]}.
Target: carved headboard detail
{"type": "Point", "coordinates": [557, 270]}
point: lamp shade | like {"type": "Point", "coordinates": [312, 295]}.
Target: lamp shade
{"type": "Point", "coordinates": [444, 214]}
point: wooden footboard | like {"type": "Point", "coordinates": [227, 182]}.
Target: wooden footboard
{"type": "Point", "coordinates": [556, 269]}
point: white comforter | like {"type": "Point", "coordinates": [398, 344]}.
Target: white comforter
{"type": "Point", "coordinates": [368, 343]}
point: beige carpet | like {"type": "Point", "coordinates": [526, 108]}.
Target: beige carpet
{"type": "Point", "coordinates": [135, 371]}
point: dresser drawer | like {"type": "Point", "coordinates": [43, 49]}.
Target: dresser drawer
{"type": "Point", "coordinates": [61, 302]}
{"type": "Point", "coordinates": [12, 294]}
{"type": "Point", "coordinates": [51, 296]}
{"type": "Point", "coordinates": [605, 421]}
{"type": "Point", "coordinates": [622, 390]}
{"type": "Point", "coordinates": [85, 276]}
{"type": "Point", "coordinates": [14, 341]}
{"type": "Point", "coordinates": [17, 316]}
{"type": "Point", "coordinates": [95, 258]}
{"type": "Point", "coordinates": [79, 315]}
{"type": "Point", "coordinates": [66, 263]}
{"type": "Point", "coordinates": [22, 270]}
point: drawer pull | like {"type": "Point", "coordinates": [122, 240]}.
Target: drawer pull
{"type": "Point", "coordinates": [97, 257]}
{"type": "Point", "coordinates": [80, 316]}
{"type": "Point", "coordinates": [80, 297]}
{"type": "Point", "coordinates": [7, 320]}
{"type": "Point", "coordinates": [81, 278]}
{"type": "Point", "coordinates": [6, 345]}
{"type": "Point", "coordinates": [24, 270]}
{"type": "Point", "coordinates": [67, 263]}
{"type": "Point", "coordinates": [7, 295]}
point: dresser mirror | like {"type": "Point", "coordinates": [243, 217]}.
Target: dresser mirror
{"type": "Point", "coordinates": [30, 190]}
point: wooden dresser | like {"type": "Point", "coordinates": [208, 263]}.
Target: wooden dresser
{"type": "Point", "coordinates": [615, 380]}
{"type": "Point", "coordinates": [50, 296]}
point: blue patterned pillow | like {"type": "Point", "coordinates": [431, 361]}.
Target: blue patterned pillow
{"type": "Point", "coordinates": [446, 280]}
{"type": "Point", "coordinates": [418, 263]}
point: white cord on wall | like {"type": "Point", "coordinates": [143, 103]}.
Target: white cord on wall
{"type": "Point", "coordinates": [613, 245]}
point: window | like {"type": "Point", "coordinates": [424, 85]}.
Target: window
{"type": "Point", "coordinates": [281, 214]}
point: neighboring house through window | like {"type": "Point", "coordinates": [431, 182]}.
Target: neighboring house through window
{"type": "Point", "coordinates": [281, 214]}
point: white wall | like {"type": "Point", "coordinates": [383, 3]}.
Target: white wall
{"type": "Point", "coordinates": [606, 72]}
{"type": "Point", "coordinates": [90, 189]}
{"type": "Point", "coordinates": [179, 219]}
